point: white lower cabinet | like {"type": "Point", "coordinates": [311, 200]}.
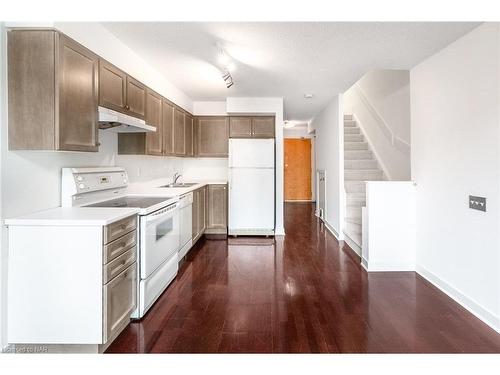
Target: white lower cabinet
{"type": "Point", "coordinates": [71, 284]}
{"type": "Point", "coordinates": [120, 299]}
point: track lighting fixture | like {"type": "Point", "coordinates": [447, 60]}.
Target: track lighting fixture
{"type": "Point", "coordinates": [228, 66]}
{"type": "Point", "coordinates": [228, 79]}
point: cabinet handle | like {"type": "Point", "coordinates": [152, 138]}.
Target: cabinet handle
{"type": "Point", "coordinates": [123, 226]}
{"type": "Point", "coordinates": [122, 244]}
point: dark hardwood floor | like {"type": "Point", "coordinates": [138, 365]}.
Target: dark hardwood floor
{"type": "Point", "coordinates": [302, 294]}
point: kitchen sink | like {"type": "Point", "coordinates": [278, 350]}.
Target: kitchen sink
{"type": "Point", "coordinates": [180, 184]}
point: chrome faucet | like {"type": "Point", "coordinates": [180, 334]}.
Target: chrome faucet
{"type": "Point", "coordinates": [177, 175]}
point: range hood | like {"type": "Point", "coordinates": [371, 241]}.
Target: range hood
{"type": "Point", "coordinates": [121, 123]}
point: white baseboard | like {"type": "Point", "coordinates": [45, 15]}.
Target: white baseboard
{"type": "Point", "coordinates": [364, 263]}
{"type": "Point", "coordinates": [279, 231]}
{"type": "Point", "coordinates": [389, 267]}
{"type": "Point", "coordinates": [469, 304]}
{"type": "Point", "coordinates": [353, 245]}
{"type": "Point", "coordinates": [331, 229]}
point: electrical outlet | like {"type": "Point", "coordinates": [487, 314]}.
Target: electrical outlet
{"type": "Point", "coordinates": [477, 203]}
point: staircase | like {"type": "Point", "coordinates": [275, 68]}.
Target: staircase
{"type": "Point", "coordinates": [360, 165]}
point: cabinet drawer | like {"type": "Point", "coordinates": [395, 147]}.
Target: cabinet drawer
{"type": "Point", "coordinates": [118, 229]}
{"type": "Point", "coordinates": [119, 246]}
{"type": "Point", "coordinates": [116, 266]}
{"type": "Point", "coordinates": [120, 299]}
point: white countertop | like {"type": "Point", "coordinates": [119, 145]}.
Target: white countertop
{"type": "Point", "coordinates": [88, 216]}
{"type": "Point", "coordinates": [153, 187]}
{"type": "Point", "coordinates": [97, 216]}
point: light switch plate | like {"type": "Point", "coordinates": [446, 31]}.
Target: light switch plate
{"type": "Point", "coordinates": [477, 203]}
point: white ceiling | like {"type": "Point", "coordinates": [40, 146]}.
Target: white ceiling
{"type": "Point", "coordinates": [282, 59]}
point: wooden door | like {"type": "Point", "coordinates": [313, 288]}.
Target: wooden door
{"type": "Point", "coordinates": [168, 127]}
{"type": "Point", "coordinates": [179, 133]}
{"type": "Point", "coordinates": [77, 77]}
{"type": "Point", "coordinates": [212, 136]}
{"type": "Point", "coordinates": [154, 140]}
{"type": "Point", "coordinates": [298, 169]}
{"type": "Point", "coordinates": [136, 98]}
{"type": "Point", "coordinates": [240, 127]}
{"type": "Point", "coordinates": [188, 134]}
{"type": "Point", "coordinates": [217, 207]}
{"type": "Point", "coordinates": [263, 127]}
{"type": "Point", "coordinates": [112, 87]}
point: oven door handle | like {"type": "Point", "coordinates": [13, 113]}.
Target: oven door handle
{"type": "Point", "coordinates": [167, 211]}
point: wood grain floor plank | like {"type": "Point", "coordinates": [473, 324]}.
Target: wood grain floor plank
{"type": "Point", "coordinates": [304, 293]}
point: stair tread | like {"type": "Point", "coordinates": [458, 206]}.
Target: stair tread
{"type": "Point", "coordinates": [366, 170]}
{"type": "Point", "coordinates": [355, 221]}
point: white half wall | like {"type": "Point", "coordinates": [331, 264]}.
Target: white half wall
{"type": "Point", "coordinates": [380, 102]}
{"type": "Point", "coordinates": [272, 106]}
{"type": "Point", "coordinates": [389, 226]}
{"type": "Point", "coordinates": [328, 125]}
{"type": "Point", "coordinates": [455, 146]}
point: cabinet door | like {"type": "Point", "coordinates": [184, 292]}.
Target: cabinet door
{"type": "Point", "coordinates": [31, 76]}
{"type": "Point", "coordinates": [212, 136]}
{"type": "Point", "coordinates": [154, 140]}
{"type": "Point", "coordinates": [202, 210]}
{"type": "Point", "coordinates": [217, 207]}
{"type": "Point", "coordinates": [263, 127]}
{"type": "Point", "coordinates": [112, 87]}
{"type": "Point", "coordinates": [240, 127]}
{"type": "Point", "coordinates": [195, 217]}
{"type": "Point", "coordinates": [77, 77]}
{"type": "Point", "coordinates": [120, 299]}
{"type": "Point", "coordinates": [168, 127]}
{"type": "Point", "coordinates": [188, 131]}
{"type": "Point", "coordinates": [179, 134]}
{"type": "Point", "coordinates": [136, 98]}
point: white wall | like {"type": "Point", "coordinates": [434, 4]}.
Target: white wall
{"type": "Point", "coordinates": [3, 249]}
{"type": "Point", "coordinates": [267, 106]}
{"type": "Point", "coordinates": [389, 92]}
{"type": "Point", "coordinates": [456, 152]}
{"type": "Point", "coordinates": [380, 101]}
{"type": "Point", "coordinates": [297, 132]}
{"type": "Point", "coordinates": [328, 125]}
{"type": "Point", "coordinates": [209, 108]}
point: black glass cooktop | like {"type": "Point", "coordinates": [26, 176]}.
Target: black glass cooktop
{"type": "Point", "coordinates": [139, 202]}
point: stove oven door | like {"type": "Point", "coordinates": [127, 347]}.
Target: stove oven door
{"type": "Point", "coordinates": [159, 239]}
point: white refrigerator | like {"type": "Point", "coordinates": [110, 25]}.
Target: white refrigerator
{"type": "Point", "coordinates": [251, 187]}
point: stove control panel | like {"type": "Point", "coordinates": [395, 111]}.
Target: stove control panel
{"type": "Point", "coordinates": [77, 182]}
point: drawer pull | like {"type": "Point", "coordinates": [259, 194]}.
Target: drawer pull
{"type": "Point", "coordinates": [123, 244]}
{"type": "Point", "coordinates": [123, 226]}
{"type": "Point", "coordinates": [124, 274]}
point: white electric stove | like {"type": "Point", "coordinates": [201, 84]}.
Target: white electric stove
{"type": "Point", "coordinates": [159, 224]}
